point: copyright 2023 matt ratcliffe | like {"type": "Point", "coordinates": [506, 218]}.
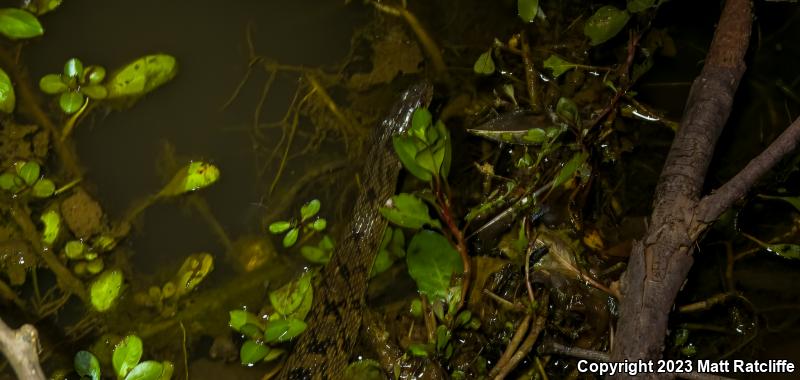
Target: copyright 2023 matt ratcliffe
{"type": "Point", "coordinates": [634, 368]}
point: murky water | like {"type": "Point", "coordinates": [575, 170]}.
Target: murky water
{"type": "Point", "coordinates": [122, 150]}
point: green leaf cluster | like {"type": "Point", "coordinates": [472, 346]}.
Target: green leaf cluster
{"type": "Point", "coordinates": [87, 258]}
{"type": "Point", "coordinates": [75, 84]}
{"type": "Point", "coordinates": [26, 176]}
{"type": "Point", "coordinates": [425, 149]}
{"type": "Point", "coordinates": [126, 361]}
{"type": "Point", "coordinates": [291, 303]}
{"type": "Point", "coordinates": [307, 223]}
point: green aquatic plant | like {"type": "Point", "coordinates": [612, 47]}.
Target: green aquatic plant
{"type": "Point", "coordinates": [126, 361]}
{"type": "Point", "coordinates": [291, 304]}
{"type": "Point", "coordinates": [75, 84]}
{"type": "Point", "coordinates": [305, 223]}
{"type": "Point", "coordinates": [18, 24]}
{"type": "Point", "coordinates": [26, 176]}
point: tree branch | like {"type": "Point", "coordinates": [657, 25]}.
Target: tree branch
{"type": "Point", "coordinates": [20, 348]}
{"type": "Point", "coordinates": [714, 204]}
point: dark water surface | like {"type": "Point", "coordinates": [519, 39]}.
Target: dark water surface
{"type": "Point", "coordinates": [121, 150]}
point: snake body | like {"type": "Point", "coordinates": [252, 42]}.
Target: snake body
{"type": "Point", "coordinates": [323, 351]}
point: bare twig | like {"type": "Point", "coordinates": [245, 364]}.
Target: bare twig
{"type": "Point", "coordinates": [713, 205]}
{"type": "Point", "coordinates": [20, 348]}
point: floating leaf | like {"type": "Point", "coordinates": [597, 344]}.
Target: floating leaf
{"type": "Point", "coordinates": [105, 290]}
{"type": "Point", "coordinates": [142, 76]}
{"type": "Point", "coordinates": [239, 318]}
{"type": "Point", "coordinates": [293, 299]}
{"type": "Point", "coordinates": [29, 172]}
{"type": "Point", "coordinates": [570, 168]}
{"type": "Point", "coordinates": [319, 225]}
{"type": "Point", "coordinates": [148, 370]}
{"type": "Point", "coordinates": [605, 24]}
{"type": "Point", "coordinates": [193, 270]}
{"type": "Point", "coordinates": [431, 263]}
{"type": "Point", "coordinates": [406, 210]}
{"type": "Point", "coordinates": [365, 369]}
{"type": "Point", "coordinates": [7, 97]}
{"type": "Point", "coordinates": [52, 226]}
{"type": "Point", "coordinates": [558, 65]}
{"type": "Point", "coordinates": [94, 74]}
{"type": "Point", "coordinates": [252, 352]}
{"type": "Point", "coordinates": [73, 68]}
{"type": "Point", "coordinates": [87, 365]}
{"type": "Point", "coordinates": [127, 354]}
{"type": "Point", "coordinates": [309, 209]}
{"type": "Point", "coordinates": [280, 226]}
{"type": "Point", "coordinates": [74, 249]}
{"type": "Point", "coordinates": [194, 176]}
{"type": "Point", "coordinates": [71, 101]}
{"type": "Point", "coordinates": [291, 237]}
{"type": "Point", "coordinates": [9, 181]}
{"type": "Point", "coordinates": [17, 23]}
{"type": "Point", "coordinates": [52, 84]}
{"type": "Point", "coordinates": [484, 65]}
{"type": "Point", "coordinates": [94, 91]}
{"type": "Point", "coordinates": [527, 9]}
{"type": "Point", "coordinates": [43, 188]}
{"type": "Point", "coordinates": [283, 330]}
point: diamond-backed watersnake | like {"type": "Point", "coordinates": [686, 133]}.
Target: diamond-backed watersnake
{"type": "Point", "coordinates": [324, 349]}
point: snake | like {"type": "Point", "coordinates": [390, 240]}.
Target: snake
{"type": "Point", "coordinates": [323, 351]}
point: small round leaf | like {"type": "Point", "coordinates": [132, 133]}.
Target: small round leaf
{"type": "Point", "coordinates": [86, 364]}
{"type": "Point", "coordinates": [310, 209]}
{"type": "Point", "coordinates": [94, 91]}
{"type": "Point", "coordinates": [291, 237]}
{"type": "Point", "coordinates": [252, 352]}
{"type": "Point", "coordinates": [74, 249]}
{"type": "Point", "coordinates": [319, 225]}
{"type": "Point", "coordinates": [29, 172]}
{"type": "Point", "coordinates": [44, 188]}
{"type": "Point", "coordinates": [280, 226]}
{"type": "Point", "coordinates": [73, 68]}
{"type": "Point", "coordinates": [52, 84]}
{"type": "Point", "coordinates": [105, 290]}
{"type": "Point", "coordinates": [70, 101]}
{"type": "Point", "coordinates": [94, 74]}
{"type": "Point", "coordinates": [126, 355]}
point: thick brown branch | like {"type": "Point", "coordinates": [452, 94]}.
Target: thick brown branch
{"type": "Point", "coordinates": [659, 263]}
{"type": "Point", "coordinates": [20, 348]}
{"type": "Point", "coordinates": [712, 205]}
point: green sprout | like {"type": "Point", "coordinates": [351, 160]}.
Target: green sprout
{"type": "Point", "coordinates": [75, 84]}
{"type": "Point", "coordinates": [126, 361]}
{"type": "Point", "coordinates": [293, 227]}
